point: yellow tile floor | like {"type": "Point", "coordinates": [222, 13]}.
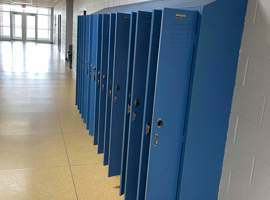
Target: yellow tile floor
{"type": "Point", "coordinates": [45, 150]}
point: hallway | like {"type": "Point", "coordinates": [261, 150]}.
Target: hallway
{"type": "Point", "coordinates": [45, 150]}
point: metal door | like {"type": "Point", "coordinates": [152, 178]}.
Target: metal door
{"type": "Point", "coordinates": [141, 52]}
{"type": "Point", "coordinates": [78, 61]}
{"type": "Point", "coordinates": [103, 81]}
{"type": "Point", "coordinates": [170, 103]}
{"type": "Point", "coordinates": [95, 78]}
{"type": "Point", "coordinates": [119, 84]}
{"type": "Point", "coordinates": [109, 89]}
{"type": "Point", "coordinates": [127, 101]}
{"type": "Point", "coordinates": [149, 98]}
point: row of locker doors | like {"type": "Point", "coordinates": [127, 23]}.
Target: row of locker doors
{"type": "Point", "coordinates": [133, 77]}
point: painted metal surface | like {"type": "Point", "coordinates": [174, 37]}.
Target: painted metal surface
{"type": "Point", "coordinates": [149, 100]}
{"type": "Point", "coordinates": [141, 52]}
{"type": "Point", "coordinates": [78, 61]}
{"type": "Point", "coordinates": [109, 89]}
{"type": "Point", "coordinates": [177, 41]}
{"type": "Point", "coordinates": [98, 77]}
{"type": "Point", "coordinates": [210, 101]}
{"type": "Point", "coordinates": [127, 101]}
{"type": "Point", "coordinates": [103, 81]}
{"type": "Point", "coordinates": [119, 84]}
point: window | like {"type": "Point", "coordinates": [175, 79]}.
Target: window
{"type": "Point", "coordinates": [4, 25]}
{"type": "Point", "coordinates": [44, 27]}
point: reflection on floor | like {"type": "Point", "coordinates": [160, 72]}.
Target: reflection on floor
{"type": "Point", "coordinates": [45, 151]}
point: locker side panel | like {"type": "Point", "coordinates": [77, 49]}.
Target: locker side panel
{"type": "Point", "coordinates": [127, 101]}
{"type": "Point", "coordinates": [119, 83]}
{"type": "Point", "coordinates": [149, 98]}
{"type": "Point", "coordinates": [103, 81]}
{"type": "Point", "coordinates": [177, 43]}
{"type": "Point", "coordinates": [98, 67]}
{"type": "Point", "coordinates": [78, 59]}
{"type": "Point", "coordinates": [109, 89]}
{"type": "Point", "coordinates": [141, 52]}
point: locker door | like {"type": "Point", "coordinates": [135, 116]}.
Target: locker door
{"type": "Point", "coordinates": [141, 52]}
{"type": "Point", "coordinates": [96, 30]}
{"type": "Point", "coordinates": [103, 81]}
{"type": "Point", "coordinates": [83, 66]}
{"type": "Point", "coordinates": [78, 60]}
{"type": "Point", "coordinates": [149, 98]}
{"type": "Point", "coordinates": [119, 85]}
{"type": "Point", "coordinates": [89, 73]}
{"type": "Point", "coordinates": [177, 43]}
{"type": "Point", "coordinates": [86, 66]}
{"type": "Point", "coordinates": [127, 101]}
{"type": "Point", "coordinates": [109, 89]}
{"type": "Point", "coordinates": [100, 18]}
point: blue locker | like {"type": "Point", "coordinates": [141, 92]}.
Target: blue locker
{"type": "Point", "coordinates": [109, 89]}
{"type": "Point", "coordinates": [98, 67]}
{"type": "Point", "coordinates": [83, 66]}
{"type": "Point", "coordinates": [86, 66]}
{"type": "Point", "coordinates": [127, 101]}
{"type": "Point", "coordinates": [78, 60]}
{"type": "Point", "coordinates": [177, 41]}
{"type": "Point", "coordinates": [88, 93]}
{"type": "Point", "coordinates": [149, 98]}
{"type": "Point", "coordinates": [103, 81]}
{"type": "Point", "coordinates": [119, 85]}
{"type": "Point", "coordinates": [95, 72]}
{"type": "Point", "coordinates": [141, 52]}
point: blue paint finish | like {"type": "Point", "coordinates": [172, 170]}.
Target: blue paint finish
{"type": "Point", "coordinates": [103, 81]}
{"type": "Point", "coordinates": [89, 73]}
{"type": "Point", "coordinates": [177, 43]}
{"type": "Point", "coordinates": [109, 89]}
{"type": "Point", "coordinates": [149, 98]}
{"type": "Point", "coordinates": [210, 103]}
{"type": "Point", "coordinates": [141, 51]}
{"type": "Point", "coordinates": [86, 75]}
{"type": "Point", "coordinates": [119, 84]}
{"type": "Point", "coordinates": [127, 101]}
{"type": "Point", "coordinates": [93, 84]}
{"type": "Point", "coordinates": [78, 60]}
{"type": "Point", "coordinates": [98, 63]}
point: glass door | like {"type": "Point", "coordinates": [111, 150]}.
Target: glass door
{"type": "Point", "coordinates": [17, 26]}
{"type": "Point", "coordinates": [31, 27]}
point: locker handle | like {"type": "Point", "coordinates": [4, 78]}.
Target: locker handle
{"type": "Point", "coordinates": [160, 123]}
{"type": "Point", "coordinates": [148, 128]}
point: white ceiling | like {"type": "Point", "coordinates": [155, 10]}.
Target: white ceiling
{"type": "Point", "coordinates": [40, 3]}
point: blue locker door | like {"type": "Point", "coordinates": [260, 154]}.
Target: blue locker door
{"type": "Point", "coordinates": [109, 89]}
{"type": "Point", "coordinates": [96, 31]}
{"type": "Point", "coordinates": [177, 43]}
{"type": "Point", "coordinates": [86, 57]}
{"type": "Point", "coordinates": [149, 98]}
{"type": "Point", "coordinates": [141, 52]}
{"type": "Point", "coordinates": [100, 18]}
{"type": "Point", "coordinates": [89, 73]}
{"type": "Point", "coordinates": [83, 65]}
{"type": "Point", "coordinates": [127, 101]}
{"type": "Point", "coordinates": [119, 85]}
{"type": "Point", "coordinates": [103, 81]}
{"type": "Point", "coordinates": [78, 59]}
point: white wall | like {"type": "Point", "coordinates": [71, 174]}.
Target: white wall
{"type": "Point", "coordinates": [246, 171]}
{"type": "Point", "coordinates": [60, 9]}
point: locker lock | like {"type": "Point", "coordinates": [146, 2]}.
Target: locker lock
{"type": "Point", "coordinates": [155, 139]}
{"type": "Point", "coordinates": [160, 123]}
{"type": "Point", "coordinates": [128, 108]}
{"type": "Point", "coordinates": [148, 128]}
{"type": "Point", "coordinates": [110, 92]}
{"type": "Point", "coordinates": [137, 103]}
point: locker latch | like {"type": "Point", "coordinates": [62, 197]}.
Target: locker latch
{"type": "Point", "coordinates": [133, 117]}
{"type": "Point", "coordinates": [155, 139]}
{"type": "Point", "coordinates": [148, 128]}
{"type": "Point", "coordinates": [128, 108]}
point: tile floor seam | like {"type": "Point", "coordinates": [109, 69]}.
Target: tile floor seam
{"type": "Point", "coordinates": [68, 159]}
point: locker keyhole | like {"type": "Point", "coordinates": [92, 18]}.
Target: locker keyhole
{"type": "Point", "coordinates": [160, 123]}
{"type": "Point", "coordinates": [137, 103]}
